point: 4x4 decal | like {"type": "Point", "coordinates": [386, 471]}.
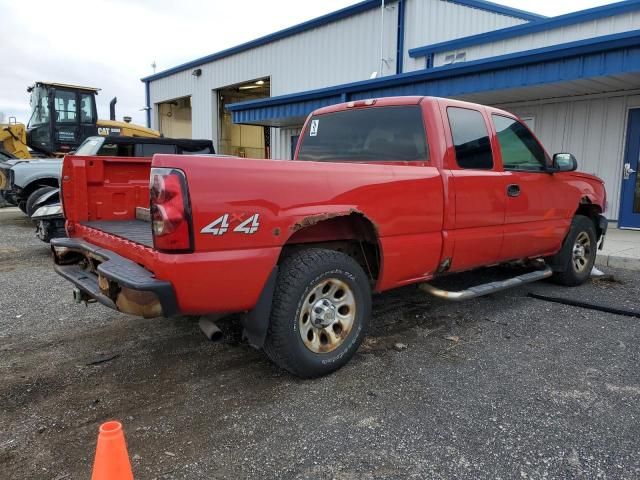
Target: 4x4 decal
{"type": "Point", "coordinates": [221, 225]}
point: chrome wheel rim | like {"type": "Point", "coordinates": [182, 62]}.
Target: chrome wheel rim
{"type": "Point", "coordinates": [327, 315]}
{"type": "Point", "coordinates": [581, 252]}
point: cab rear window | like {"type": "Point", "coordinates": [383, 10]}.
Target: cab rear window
{"type": "Point", "coordinates": [364, 135]}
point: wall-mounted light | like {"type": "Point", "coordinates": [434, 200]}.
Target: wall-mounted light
{"type": "Point", "coordinates": [197, 72]}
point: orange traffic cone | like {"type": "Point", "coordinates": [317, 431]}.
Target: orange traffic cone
{"type": "Point", "coordinates": [112, 460]}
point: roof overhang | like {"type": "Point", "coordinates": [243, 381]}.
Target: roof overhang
{"type": "Point", "coordinates": [528, 28]}
{"type": "Point", "coordinates": [607, 56]}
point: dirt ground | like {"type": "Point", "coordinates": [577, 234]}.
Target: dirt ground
{"type": "Point", "coordinates": [505, 386]}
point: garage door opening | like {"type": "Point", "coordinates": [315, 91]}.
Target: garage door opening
{"type": "Point", "coordinates": [243, 140]}
{"type": "Point", "coordinates": [175, 118]}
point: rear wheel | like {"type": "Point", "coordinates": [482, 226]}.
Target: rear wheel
{"type": "Point", "coordinates": [47, 230]}
{"type": "Point", "coordinates": [578, 253]}
{"type": "Point", "coordinates": [321, 309]}
{"type": "Point", "coordinates": [30, 205]}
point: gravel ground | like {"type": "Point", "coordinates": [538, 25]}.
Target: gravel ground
{"type": "Point", "coordinates": [504, 386]}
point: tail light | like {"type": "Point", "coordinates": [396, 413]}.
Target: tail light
{"type": "Point", "coordinates": [170, 210]}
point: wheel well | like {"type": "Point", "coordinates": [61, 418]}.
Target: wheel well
{"type": "Point", "coordinates": [349, 233]}
{"type": "Point", "coordinates": [590, 210]}
{"type": "Point", "coordinates": [33, 186]}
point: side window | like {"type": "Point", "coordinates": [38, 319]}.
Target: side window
{"type": "Point", "coordinates": [108, 150]}
{"type": "Point", "coordinates": [150, 149]}
{"type": "Point", "coordinates": [203, 151]}
{"type": "Point", "coordinates": [65, 106]}
{"type": "Point", "coordinates": [470, 138]}
{"type": "Point", "coordinates": [87, 115]}
{"type": "Point", "coordinates": [520, 150]}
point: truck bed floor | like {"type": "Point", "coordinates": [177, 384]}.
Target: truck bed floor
{"type": "Point", "coordinates": [137, 231]}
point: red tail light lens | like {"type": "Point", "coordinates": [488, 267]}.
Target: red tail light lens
{"type": "Point", "coordinates": [170, 210]}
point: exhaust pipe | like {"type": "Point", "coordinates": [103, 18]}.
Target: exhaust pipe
{"type": "Point", "coordinates": [81, 297]}
{"type": "Point", "coordinates": [77, 295]}
{"type": "Point", "coordinates": [112, 108]}
{"type": "Point", "coordinates": [210, 330]}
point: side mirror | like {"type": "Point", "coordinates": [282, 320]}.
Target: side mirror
{"type": "Point", "coordinates": [563, 162]}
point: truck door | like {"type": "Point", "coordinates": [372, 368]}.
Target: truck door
{"type": "Point", "coordinates": [478, 185]}
{"type": "Point", "coordinates": [535, 223]}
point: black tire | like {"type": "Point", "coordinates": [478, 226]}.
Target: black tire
{"type": "Point", "coordinates": [570, 270]}
{"type": "Point", "coordinates": [35, 195]}
{"type": "Point", "coordinates": [47, 230]}
{"type": "Point", "coordinates": [299, 276]}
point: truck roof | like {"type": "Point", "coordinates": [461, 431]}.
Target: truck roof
{"type": "Point", "coordinates": [66, 85]}
{"type": "Point", "coordinates": [187, 143]}
{"type": "Point", "coordinates": [400, 101]}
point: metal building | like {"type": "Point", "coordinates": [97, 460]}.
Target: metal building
{"type": "Point", "coordinates": [575, 79]}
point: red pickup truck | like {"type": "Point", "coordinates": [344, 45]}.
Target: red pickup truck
{"type": "Point", "coordinates": [382, 193]}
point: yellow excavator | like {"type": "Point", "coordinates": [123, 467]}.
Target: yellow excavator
{"type": "Point", "coordinates": [62, 116]}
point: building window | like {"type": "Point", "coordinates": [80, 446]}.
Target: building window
{"type": "Point", "coordinates": [454, 57]}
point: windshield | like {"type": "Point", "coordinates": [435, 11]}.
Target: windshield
{"type": "Point", "coordinates": [39, 106]}
{"type": "Point", "coordinates": [90, 146]}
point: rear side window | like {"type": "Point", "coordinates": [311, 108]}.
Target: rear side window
{"type": "Point", "coordinates": [203, 151]}
{"type": "Point", "coordinates": [470, 138]}
{"type": "Point", "coordinates": [111, 150]}
{"type": "Point", "coordinates": [150, 149]}
{"type": "Point", "coordinates": [366, 134]}
{"type": "Point", "coordinates": [520, 150]}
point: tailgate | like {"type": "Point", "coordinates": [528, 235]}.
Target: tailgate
{"type": "Point", "coordinates": [103, 193]}
{"type": "Point", "coordinates": [104, 188]}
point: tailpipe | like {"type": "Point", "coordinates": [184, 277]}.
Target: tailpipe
{"type": "Point", "coordinates": [112, 108]}
{"type": "Point", "coordinates": [81, 297]}
{"type": "Point", "coordinates": [210, 330]}
{"type": "Point", "coordinates": [77, 295]}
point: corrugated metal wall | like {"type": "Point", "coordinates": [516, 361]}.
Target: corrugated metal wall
{"type": "Point", "coordinates": [344, 51]}
{"type": "Point", "coordinates": [281, 142]}
{"type": "Point", "coordinates": [593, 128]}
{"type": "Point", "coordinates": [581, 31]}
{"type": "Point", "coordinates": [433, 21]}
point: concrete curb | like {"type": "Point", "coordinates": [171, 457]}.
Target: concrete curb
{"type": "Point", "coordinates": [618, 261]}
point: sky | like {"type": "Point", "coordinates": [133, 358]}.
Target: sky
{"type": "Point", "coordinates": [111, 44]}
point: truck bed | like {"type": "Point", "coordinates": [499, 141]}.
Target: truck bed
{"type": "Point", "coordinates": [137, 231]}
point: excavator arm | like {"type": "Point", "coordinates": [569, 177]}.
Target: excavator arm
{"type": "Point", "coordinates": [13, 140]}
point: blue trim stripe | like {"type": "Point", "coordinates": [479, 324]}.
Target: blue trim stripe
{"type": "Point", "coordinates": [527, 28]}
{"type": "Point", "coordinates": [602, 56]}
{"type": "Point", "coordinates": [324, 20]}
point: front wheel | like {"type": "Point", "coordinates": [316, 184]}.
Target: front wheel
{"type": "Point", "coordinates": [321, 309]}
{"type": "Point", "coordinates": [578, 253]}
{"type": "Point", "coordinates": [30, 206]}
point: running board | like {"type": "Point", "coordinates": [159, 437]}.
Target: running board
{"type": "Point", "coordinates": [487, 288]}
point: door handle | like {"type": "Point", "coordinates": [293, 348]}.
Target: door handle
{"type": "Point", "coordinates": [628, 171]}
{"type": "Point", "coordinates": [513, 190]}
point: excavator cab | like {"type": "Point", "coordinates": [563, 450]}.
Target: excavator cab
{"type": "Point", "coordinates": [62, 116]}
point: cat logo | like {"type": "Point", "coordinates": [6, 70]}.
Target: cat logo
{"type": "Point", "coordinates": [104, 131]}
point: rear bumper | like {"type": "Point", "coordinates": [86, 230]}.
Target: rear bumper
{"type": "Point", "coordinates": [112, 280]}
